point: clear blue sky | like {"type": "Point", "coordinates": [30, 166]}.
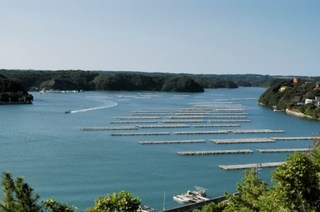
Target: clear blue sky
{"type": "Point", "coordinates": [189, 36]}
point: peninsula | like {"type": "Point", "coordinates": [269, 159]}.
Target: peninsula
{"type": "Point", "coordinates": [11, 92]}
{"type": "Point", "coordinates": [295, 96]}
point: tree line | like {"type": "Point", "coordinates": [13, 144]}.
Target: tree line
{"type": "Point", "coordinates": [130, 81]}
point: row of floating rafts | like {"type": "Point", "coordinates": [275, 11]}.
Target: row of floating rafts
{"type": "Point", "coordinates": [215, 152]}
{"type": "Point", "coordinates": [200, 132]}
{"type": "Point", "coordinates": [187, 114]}
{"type": "Point", "coordinates": [133, 122]}
{"type": "Point", "coordinates": [204, 120]}
{"type": "Point", "coordinates": [241, 140]}
{"type": "Point", "coordinates": [181, 117]}
{"type": "Point", "coordinates": [230, 141]}
{"type": "Point", "coordinates": [153, 126]}
{"type": "Point", "coordinates": [206, 117]}
{"type": "Point", "coordinates": [173, 142]}
{"type": "Point", "coordinates": [140, 134]}
{"type": "Point", "coordinates": [240, 151]}
{"type": "Point", "coordinates": [251, 165]}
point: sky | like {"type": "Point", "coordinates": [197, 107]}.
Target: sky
{"type": "Point", "coordinates": [275, 37]}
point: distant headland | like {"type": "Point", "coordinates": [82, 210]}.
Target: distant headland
{"type": "Point", "coordinates": [298, 97]}
{"type": "Point", "coordinates": [12, 92]}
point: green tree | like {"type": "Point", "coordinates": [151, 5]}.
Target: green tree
{"type": "Point", "coordinates": [297, 183]}
{"type": "Point", "coordinates": [53, 206]}
{"type": "Point", "coordinates": [123, 201]}
{"type": "Point", "coordinates": [18, 196]}
{"type": "Point", "coordinates": [249, 190]}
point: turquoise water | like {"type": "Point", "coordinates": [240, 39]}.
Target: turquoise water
{"type": "Point", "coordinates": [47, 147]}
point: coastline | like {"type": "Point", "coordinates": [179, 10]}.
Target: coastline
{"type": "Point", "coordinates": [300, 115]}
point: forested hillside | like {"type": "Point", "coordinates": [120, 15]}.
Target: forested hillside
{"type": "Point", "coordinates": [301, 96]}
{"type": "Point", "coordinates": [12, 92]}
{"type": "Point", "coordinates": [130, 81]}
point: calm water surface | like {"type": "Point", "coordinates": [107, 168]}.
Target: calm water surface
{"type": "Point", "coordinates": [47, 147]}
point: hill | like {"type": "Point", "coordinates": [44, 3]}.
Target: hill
{"type": "Point", "coordinates": [297, 97]}
{"type": "Point", "coordinates": [12, 92]}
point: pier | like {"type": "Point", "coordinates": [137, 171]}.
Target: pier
{"type": "Point", "coordinates": [173, 142]}
{"type": "Point", "coordinates": [283, 150]}
{"type": "Point", "coordinates": [215, 152]}
{"type": "Point", "coordinates": [241, 140]}
{"type": "Point", "coordinates": [251, 165]}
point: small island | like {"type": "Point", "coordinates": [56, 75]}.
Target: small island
{"type": "Point", "coordinates": [296, 97]}
{"type": "Point", "coordinates": [12, 92]}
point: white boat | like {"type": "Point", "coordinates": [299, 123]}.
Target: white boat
{"type": "Point", "coordinates": [199, 195]}
{"type": "Point", "coordinates": [181, 198]}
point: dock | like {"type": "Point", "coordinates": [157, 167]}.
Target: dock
{"type": "Point", "coordinates": [283, 150]}
{"type": "Point", "coordinates": [242, 140]}
{"type": "Point", "coordinates": [251, 165]}
{"type": "Point", "coordinates": [173, 142]}
{"type": "Point", "coordinates": [140, 134]}
{"type": "Point", "coordinates": [215, 152]}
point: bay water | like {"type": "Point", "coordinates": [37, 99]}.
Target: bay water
{"type": "Point", "coordinates": [47, 147]}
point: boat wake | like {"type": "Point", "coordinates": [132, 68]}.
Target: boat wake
{"type": "Point", "coordinates": [107, 104]}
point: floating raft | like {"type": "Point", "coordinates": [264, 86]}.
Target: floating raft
{"type": "Point", "coordinates": [250, 165]}
{"type": "Point", "coordinates": [250, 131]}
{"type": "Point", "coordinates": [206, 117]}
{"type": "Point", "coordinates": [173, 142]}
{"type": "Point", "coordinates": [215, 152]}
{"type": "Point", "coordinates": [294, 138]}
{"type": "Point", "coordinates": [241, 140]}
{"type": "Point", "coordinates": [109, 128]}
{"type": "Point", "coordinates": [140, 134]}
{"type": "Point", "coordinates": [217, 125]}
{"type": "Point", "coordinates": [283, 150]}
{"type": "Point", "coordinates": [202, 132]}
{"type": "Point", "coordinates": [184, 121]}
{"type": "Point", "coordinates": [228, 120]}
{"type": "Point", "coordinates": [137, 117]}
{"type": "Point", "coordinates": [165, 126]}
{"type": "Point", "coordinates": [133, 122]}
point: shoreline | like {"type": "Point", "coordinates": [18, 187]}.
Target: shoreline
{"type": "Point", "coordinates": [299, 114]}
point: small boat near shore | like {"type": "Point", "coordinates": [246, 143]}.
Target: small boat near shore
{"type": "Point", "coordinates": [198, 195]}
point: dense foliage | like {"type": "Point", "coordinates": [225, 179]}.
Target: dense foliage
{"type": "Point", "coordinates": [129, 81]}
{"type": "Point", "coordinates": [285, 94]}
{"type": "Point", "coordinates": [123, 201]}
{"type": "Point", "coordinates": [296, 188]}
{"type": "Point", "coordinates": [18, 197]}
{"type": "Point", "coordinates": [13, 92]}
